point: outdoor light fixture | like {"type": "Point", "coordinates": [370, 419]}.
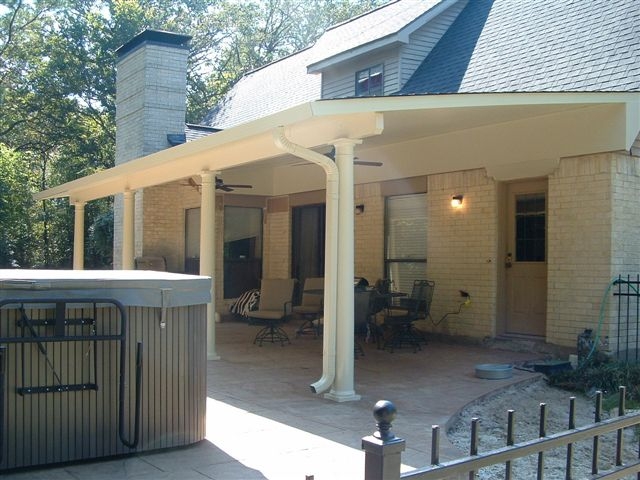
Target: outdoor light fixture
{"type": "Point", "coordinates": [456, 201]}
{"type": "Point", "coordinates": [359, 209]}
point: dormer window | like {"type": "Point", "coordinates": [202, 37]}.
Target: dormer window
{"type": "Point", "coordinates": [369, 81]}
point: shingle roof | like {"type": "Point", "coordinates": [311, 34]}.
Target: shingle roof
{"type": "Point", "coordinates": [536, 46]}
{"type": "Point", "coordinates": [375, 25]}
{"type": "Point", "coordinates": [276, 87]}
{"type": "Point", "coordinates": [493, 46]}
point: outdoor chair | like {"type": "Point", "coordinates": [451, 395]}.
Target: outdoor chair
{"type": "Point", "coordinates": [378, 302]}
{"type": "Point", "coordinates": [275, 308]}
{"type": "Point", "coordinates": [361, 316]}
{"type": "Point", "coordinates": [399, 318]}
{"type": "Point", "coordinates": [310, 308]}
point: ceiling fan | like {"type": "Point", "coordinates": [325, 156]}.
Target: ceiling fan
{"type": "Point", "coordinates": [220, 185]}
{"type": "Point", "coordinates": [332, 155]}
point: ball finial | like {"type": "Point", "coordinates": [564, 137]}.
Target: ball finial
{"type": "Point", "coordinates": [384, 412]}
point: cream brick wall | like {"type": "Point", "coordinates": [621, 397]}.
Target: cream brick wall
{"type": "Point", "coordinates": [369, 233]}
{"type": "Point", "coordinates": [276, 261]}
{"type": "Point", "coordinates": [626, 235]}
{"type": "Point", "coordinates": [461, 252]}
{"type": "Point", "coordinates": [594, 231]}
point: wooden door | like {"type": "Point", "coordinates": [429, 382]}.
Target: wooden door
{"type": "Point", "coordinates": [526, 258]}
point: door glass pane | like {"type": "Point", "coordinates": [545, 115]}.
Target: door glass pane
{"type": "Point", "coordinates": [530, 224]}
{"type": "Point", "coordinates": [242, 232]}
{"type": "Point", "coordinates": [242, 250]}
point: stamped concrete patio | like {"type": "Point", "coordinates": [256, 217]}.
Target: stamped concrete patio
{"type": "Point", "coordinates": [263, 421]}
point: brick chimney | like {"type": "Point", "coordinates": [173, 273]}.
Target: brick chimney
{"type": "Point", "coordinates": [151, 91]}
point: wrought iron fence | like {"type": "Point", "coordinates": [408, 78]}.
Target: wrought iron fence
{"type": "Point", "coordinates": [383, 449]}
{"type": "Point", "coordinates": [627, 344]}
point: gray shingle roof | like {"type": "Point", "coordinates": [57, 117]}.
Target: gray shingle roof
{"type": "Point", "coordinates": [375, 25]}
{"type": "Point", "coordinates": [493, 46]}
{"type": "Point", "coordinates": [276, 87]}
{"type": "Point", "coordinates": [536, 46]}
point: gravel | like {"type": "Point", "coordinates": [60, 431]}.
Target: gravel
{"type": "Point", "coordinates": [525, 400]}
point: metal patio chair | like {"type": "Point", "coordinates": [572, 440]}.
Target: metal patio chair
{"type": "Point", "coordinates": [399, 319]}
{"type": "Point", "coordinates": [275, 308]}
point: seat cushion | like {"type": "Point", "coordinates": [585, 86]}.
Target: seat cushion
{"type": "Point", "coordinates": [267, 314]}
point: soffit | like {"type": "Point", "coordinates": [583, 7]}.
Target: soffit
{"type": "Point", "coordinates": [389, 124]}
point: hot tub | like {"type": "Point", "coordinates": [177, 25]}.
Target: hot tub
{"type": "Point", "coordinates": [100, 363]}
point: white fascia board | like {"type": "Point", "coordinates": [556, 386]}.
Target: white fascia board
{"type": "Point", "coordinates": [348, 55]}
{"type": "Point", "coordinates": [465, 100]}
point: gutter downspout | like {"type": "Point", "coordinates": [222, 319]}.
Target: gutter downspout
{"type": "Point", "coordinates": [331, 255]}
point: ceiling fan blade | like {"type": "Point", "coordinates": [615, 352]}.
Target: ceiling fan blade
{"type": "Point", "coordinates": [223, 187]}
{"type": "Point", "coordinates": [238, 186]}
{"type": "Point", "coordinates": [367, 164]}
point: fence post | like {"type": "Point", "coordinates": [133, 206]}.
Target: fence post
{"type": "Point", "coordinates": [383, 449]}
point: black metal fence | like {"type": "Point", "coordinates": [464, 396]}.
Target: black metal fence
{"type": "Point", "coordinates": [627, 341]}
{"type": "Point", "coordinates": [383, 449]}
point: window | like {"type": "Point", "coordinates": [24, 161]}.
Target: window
{"type": "Point", "coordinates": [530, 228]}
{"type": "Point", "coordinates": [406, 240]}
{"type": "Point", "coordinates": [369, 82]}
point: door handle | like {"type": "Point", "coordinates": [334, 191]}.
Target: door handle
{"type": "Point", "coordinates": [508, 261]}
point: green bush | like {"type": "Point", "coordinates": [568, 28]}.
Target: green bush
{"type": "Point", "coordinates": [604, 375]}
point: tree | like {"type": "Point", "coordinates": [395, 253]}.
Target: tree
{"type": "Point", "coordinates": [16, 210]}
{"type": "Point", "coordinates": [57, 87]}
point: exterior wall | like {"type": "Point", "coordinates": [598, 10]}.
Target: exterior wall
{"type": "Point", "coordinates": [590, 239]}
{"type": "Point", "coordinates": [462, 251]}
{"type": "Point", "coordinates": [276, 261]}
{"type": "Point", "coordinates": [399, 62]}
{"type": "Point", "coordinates": [369, 232]}
{"type": "Point", "coordinates": [422, 41]}
{"type": "Point", "coordinates": [164, 224]}
{"type": "Point", "coordinates": [148, 107]}
{"type": "Point", "coordinates": [625, 236]}
{"type": "Point", "coordinates": [340, 81]}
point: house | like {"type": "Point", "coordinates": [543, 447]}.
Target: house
{"type": "Point", "coordinates": [525, 113]}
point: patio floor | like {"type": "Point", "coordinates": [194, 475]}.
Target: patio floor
{"type": "Point", "coordinates": [263, 421]}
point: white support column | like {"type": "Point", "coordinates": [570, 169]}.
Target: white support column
{"type": "Point", "coordinates": [343, 385]}
{"type": "Point", "coordinates": [208, 253]}
{"type": "Point", "coordinates": [78, 235]}
{"type": "Point", "coordinates": [128, 229]}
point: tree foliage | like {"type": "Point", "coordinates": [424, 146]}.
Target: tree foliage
{"type": "Point", "coordinates": [57, 95]}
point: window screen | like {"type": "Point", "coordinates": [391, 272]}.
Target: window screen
{"type": "Point", "coordinates": [406, 240]}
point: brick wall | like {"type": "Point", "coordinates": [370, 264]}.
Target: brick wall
{"type": "Point", "coordinates": [461, 252]}
{"type": "Point", "coordinates": [580, 247]}
{"type": "Point", "coordinates": [369, 232]}
{"type": "Point", "coordinates": [277, 239]}
{"type": "Point", "coordinates": [626, 234]}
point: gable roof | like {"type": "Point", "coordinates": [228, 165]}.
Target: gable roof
{"type": "Point", "coordinates": [387, 24]}
{"type": "Point", "coordinates": [534, 46]}
{"type": "Point", "coordinates": [493, 46]}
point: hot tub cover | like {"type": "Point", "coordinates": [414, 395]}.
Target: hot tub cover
{"type": "Point", "coordinates": [142, 288]}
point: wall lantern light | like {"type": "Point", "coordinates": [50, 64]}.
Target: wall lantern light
{"type": "Point", "coordinates": [456, 201]}
{"type": "Point", "coordinates": [359, 209]}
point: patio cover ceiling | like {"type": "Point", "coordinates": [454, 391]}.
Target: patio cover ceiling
{"type": "Point", "coordinates": [592, 122]}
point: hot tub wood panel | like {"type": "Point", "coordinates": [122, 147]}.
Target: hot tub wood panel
{"type": "Point", "coordinates": [55, 427]}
